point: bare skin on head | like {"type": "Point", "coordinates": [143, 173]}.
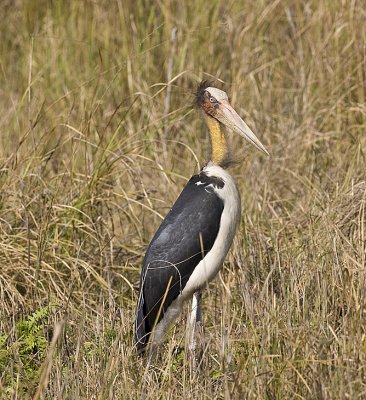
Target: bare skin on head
{"type": "Point", "coordinates": [218, 112]}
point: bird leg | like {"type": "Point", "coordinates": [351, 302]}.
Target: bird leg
{"type": "Point", "coordinates": [196, 327]}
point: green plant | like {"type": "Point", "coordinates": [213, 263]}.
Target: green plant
{"type": "Point", "coordinates": [22, 353]}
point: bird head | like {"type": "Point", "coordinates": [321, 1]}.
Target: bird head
{"type": "Point", "coordinates": [215, 104]}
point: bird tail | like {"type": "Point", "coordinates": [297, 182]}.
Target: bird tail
{"type": "Point", "coordinates": [141, 336]}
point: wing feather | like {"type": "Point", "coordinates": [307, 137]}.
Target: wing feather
{"type": "Point", "coordinates": [187, 233]}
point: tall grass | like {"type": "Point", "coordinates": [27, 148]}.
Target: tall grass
{"type": "Point", "coordinates": [97, 139]}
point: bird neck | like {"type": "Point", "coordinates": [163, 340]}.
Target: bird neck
{"type": "Point", "coordinates": [219, 146]}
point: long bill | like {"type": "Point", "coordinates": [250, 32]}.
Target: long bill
{"type": "Point", "coordinates": [229, 117]}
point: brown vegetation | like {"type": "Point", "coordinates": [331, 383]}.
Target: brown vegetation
{"type": "Point", "coordinates": [95, 146]}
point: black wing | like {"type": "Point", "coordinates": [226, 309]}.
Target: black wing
{"type": "Point", "coordinates": [187, 233]}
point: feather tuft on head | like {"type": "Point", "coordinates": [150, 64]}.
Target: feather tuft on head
{"type": "Point", "coordinates": [200, 92]}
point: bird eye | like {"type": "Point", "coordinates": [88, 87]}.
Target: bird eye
{"type": "Point", "coordinates": [212, 100]}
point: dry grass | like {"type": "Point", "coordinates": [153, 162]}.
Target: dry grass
{"type": "Point", "coordinates": [95, 147]}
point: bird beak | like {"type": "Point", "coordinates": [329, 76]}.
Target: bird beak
{"type": "Point", "coordinates": [229, 117]}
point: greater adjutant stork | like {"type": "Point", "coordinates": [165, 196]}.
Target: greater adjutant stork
{"type": "Point", "coordinates": [190, 246]}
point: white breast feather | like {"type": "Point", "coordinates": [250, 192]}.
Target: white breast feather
{"type": "Point", "coordinates": [211, 264]}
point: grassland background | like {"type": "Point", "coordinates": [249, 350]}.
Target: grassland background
{"type": "Point", "coordinates": [95, 146]}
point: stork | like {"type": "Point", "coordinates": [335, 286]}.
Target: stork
{"type": "Point", "coordinates": [189, 248]}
